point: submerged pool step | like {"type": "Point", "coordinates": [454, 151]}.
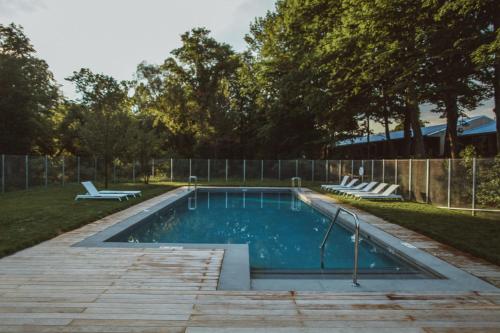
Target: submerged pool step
{"type": "Point", "coordinates": [337, 274]}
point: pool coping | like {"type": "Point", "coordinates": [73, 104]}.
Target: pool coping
{"type": "Point", "coordinates": [235, 270]}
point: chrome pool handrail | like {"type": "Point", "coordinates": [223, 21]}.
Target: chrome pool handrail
{"type": "Point", "coordinates": [299, 182]}
{"type": "Point", "coordinates": [190, 179]}
{"type": "Point", "coordinates": [356, 243]}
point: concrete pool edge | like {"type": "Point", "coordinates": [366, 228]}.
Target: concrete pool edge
{"type": "Point", "coordinates": [454, 278]}
{"type": "Point", "coordinates": [235, 270]}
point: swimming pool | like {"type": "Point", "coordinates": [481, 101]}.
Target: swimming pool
{"type": "Point", "coordinates": [271, 236]}
{"type": "Point", "coordinates": [282, 232]}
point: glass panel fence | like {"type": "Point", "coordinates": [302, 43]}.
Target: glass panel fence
{"type": "Point", "coordinates": [441, 182]}
{"type": "Point", "coordinates": [438, 182]}
{"type": "Point", "coordinates": [487, 183]}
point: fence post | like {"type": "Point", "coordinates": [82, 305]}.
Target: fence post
{"type": "Point", "coordinates": [279, 169]}
{"type": "Point", "coordinates": [312, 172]}
{"type": "Point", "coordinates": [326, 171]}
{"type": "Point", "coordinates": [153, 168]}
{"type": "Point", "coordinates": [244, 171]}
{"type": "Point", "coordinates": [208, 170]}
{"type": "Point", "coordinates": [296, 168]}
{"type": "Point", "coordinates": [352, 167]}
{"type": "Point", "coordinates": [171, 169]}
{"type": "Point", "coordinates": [396, 171]}
{"type": "Point", "coordinates": [474, 186]}
{"type": "Point", "coordinates": [409, 179]}
{"type": "Point", "coordinates": [427, 179]}
{"type": "Point", "coordinates": [3, 173]}
{"type": "Point", "coordinates": [226, 169]}
{"type": "Point", "coordinates": [383, 170]}
{"type": "Point", "coordinates": [190, 173]}
{"type": "Point", "coordinates": [63, 171]}
{"type": "Point", "coordinates": [449, 182]}
{"type": "Point", "coordinates": [133, 171]}
{"type": "Point", "coordinates": [78, 169]}
{"type": "Point", "coordinates": [46, 169]}
{"type": "Point", "coordinates": [26, 167]}
{"type": "Point", "coordinates": [340, 170]}
{"type": "Point", "coordinates": [261, 170]}
{"type": "Point", "coordinates": [363, 166]}
{"type": "Point", "coordinates": [373, 166]}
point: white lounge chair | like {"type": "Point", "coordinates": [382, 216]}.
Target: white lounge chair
{"type": "Point", "coordinates": [376, 191]}
{"type": "Point", "coordinates": [338, 187]}
{"type": "Point", "coordinates": [365, 189]}
{"type": "Point", "coordinates": [342, 183]}
{"type": "Point", "coordinates": [97, 196]}
{"type": "Point", "coordinates": [354, 188]}
{"type": "Point", "coordinates": [388, 194]}
{"type": "Point", "coordinates": [89, 186]}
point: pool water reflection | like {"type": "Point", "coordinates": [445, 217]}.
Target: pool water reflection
{"type": "Point", "coordinates": [283, 233]}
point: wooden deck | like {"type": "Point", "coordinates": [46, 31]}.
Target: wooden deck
{"type": "Point", "coordinates": [54, 287]}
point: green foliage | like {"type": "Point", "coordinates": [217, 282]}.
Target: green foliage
{"type": "Point", "coordinates": [106, 118]}
{"type": "Point", "coordinates": [28, 94]}
{"type": "Point", "coordinates": [488, 190]}
{"type": "Point", "coordinates": [315, 72]}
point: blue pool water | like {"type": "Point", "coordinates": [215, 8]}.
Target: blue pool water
{"type": "Point", "coordinates": [283, 233]}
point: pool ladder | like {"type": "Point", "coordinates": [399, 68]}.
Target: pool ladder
{"type": "Point", "coordinates": [298, 181]}
{"type": "Point", "coordinates": [356, 243]}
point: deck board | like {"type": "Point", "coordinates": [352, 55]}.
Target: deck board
{"type": "Point", "coordinates": [54, 287]}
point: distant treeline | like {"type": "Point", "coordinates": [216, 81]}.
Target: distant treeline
{"type": "Point", "coordinates": [314, 72]}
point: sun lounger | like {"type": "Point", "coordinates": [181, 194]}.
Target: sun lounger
{"type": "Point", "coordinates": [342, 183]}
{"type": "Point", "coordinates": [118, 197]}
{"type": "Point", "coordinates": [368, 188]}
{"type": "Point", "coordinates": [91, 189]}
{"type": "Point", "coordinates": [388, 194]}
{"type": "Point", "coordinates": [355, 188]}
{"type": "Point", "coordinates": [338, 187]}
{"type": "Point", "coordinates": [376, 191]}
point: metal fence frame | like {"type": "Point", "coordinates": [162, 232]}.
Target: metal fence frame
{"type": "Point", "coordinates": [262, 170]}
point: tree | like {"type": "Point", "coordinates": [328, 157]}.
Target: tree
{"type": "Point", "coordinates": [28, 94]}
{"type": "Point", "coordinates": [296, 103]}
{"type": "Point", "coordinates": [189, 95]}
{"type": "Point", "coordinates": [106, 119]}
{"type": "Point", "coordinates": [454, 81]}
{"type": "Point", "coordinates": [484, 43]}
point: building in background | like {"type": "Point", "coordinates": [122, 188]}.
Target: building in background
{"type": "Point", "coordinates": [479, 131]}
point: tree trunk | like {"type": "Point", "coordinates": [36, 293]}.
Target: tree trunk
{"type": "Point", "coordinates": [388, 145]}
{"type": "Point", "coordinates": [407, 134]}
{"type": "Point", "coordinates": [496, 86]}
{"type": "Point", "coordinates": [106, 162]}
{"type": "Point", "coordinates": [368, 134]}
{"type": "Point", "coordinates": [413, 107]}
{"type": "Point", "coordinates": [451, 147]}
{"type": "Point", "coordinates": [496, 82]}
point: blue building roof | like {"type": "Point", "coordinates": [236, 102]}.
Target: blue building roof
{"type": "Point", "coordinates": [361, 139]}
{"type": "Point", "coordinates": [483, 129]}
{"type": "Point", "coordinates": [433, 130]}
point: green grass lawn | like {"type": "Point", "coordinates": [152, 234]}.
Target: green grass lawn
{"type": "Point", "coordinates": [30, 217]}
{"type": "Point", "coordinates": [479, 236]}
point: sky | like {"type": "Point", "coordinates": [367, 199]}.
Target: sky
{"type": "Point", "coordinates": [114, 36]}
